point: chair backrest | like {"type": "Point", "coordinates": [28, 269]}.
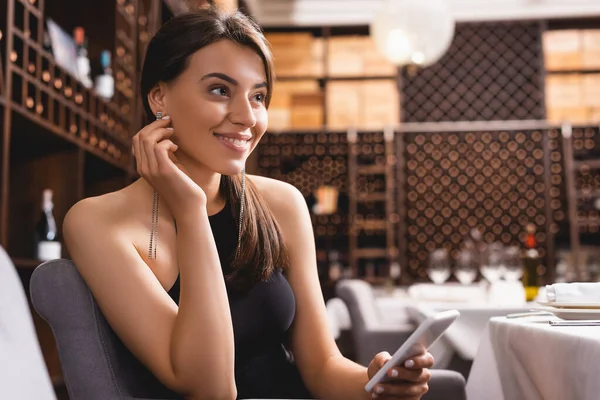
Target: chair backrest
{"type": "Point", "coordinates": [360, 300]}
{"type": "Point", "coordinates": [94, 361]}
{"type": "Point", "coordinates": [23, 374]}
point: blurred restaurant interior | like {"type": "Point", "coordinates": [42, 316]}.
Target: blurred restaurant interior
{"type": "Point", "coordinates": [463, 162]}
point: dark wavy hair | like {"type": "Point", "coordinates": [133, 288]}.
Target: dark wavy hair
{"type": "Point", "coordinates": [261, 250]}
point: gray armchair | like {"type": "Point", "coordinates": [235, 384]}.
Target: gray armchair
{"type": "Point", "coordinates": [96, 365]}
{"type": "Point", "coordinates": [372, 335]}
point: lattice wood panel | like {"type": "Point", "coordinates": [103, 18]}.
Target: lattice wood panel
{"type": "Point", "coordinates": [492, 71]}
{"type": "Point", "coordinates": [494, 181]}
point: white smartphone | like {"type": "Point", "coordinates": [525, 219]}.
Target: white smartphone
{"type": "Point", "coordinates": [419, 342]}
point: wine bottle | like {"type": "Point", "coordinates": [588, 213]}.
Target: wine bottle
{"type": "Point", "coordinates": [335, 267]}
{"type": "Point", "coordinates": [531, 262]}
{"type": "Point", "coordinates": [46, 235]}
{"type": "Point", "coordinates": [83, 62]}
{"type": "Point", "coordinates": [105, 83]}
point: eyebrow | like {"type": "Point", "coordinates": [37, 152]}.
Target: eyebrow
{"type": "Point", "coordinates": [229, 79]}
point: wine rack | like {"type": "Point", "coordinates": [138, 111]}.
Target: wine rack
{"type": "Point", "coordinates": [582, 165]}
{"type": "Point", "coordinates": [492, 71]}
{"type": "Point", "coordinates": [373, 218]}
{"type": "Point", "coordinates": [43, 92]}
{"type": "Point", "coordinates": [57, 133]}
{"type": "Point", "coordinates": [496, 181]}
{"type": "Point", "coordinates": [308, 161]}
{"type": "Point", "coordinates": [446, 181]}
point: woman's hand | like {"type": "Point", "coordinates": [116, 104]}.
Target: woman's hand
{"type": "Point", "coordinates": [157, 164]}
{"type": "Point", "coordinates": [408, 381]}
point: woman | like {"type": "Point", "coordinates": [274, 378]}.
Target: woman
{"type": "Point", "coordinates": [209, 318]}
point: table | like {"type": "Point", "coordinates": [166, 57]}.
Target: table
{"type": "Point", "coordinates": [463, 337]}
{"type": "Point", "coordinates": [527, 359]}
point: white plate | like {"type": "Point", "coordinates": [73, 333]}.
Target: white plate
{"type": "Point", "coordinates": [569, 305]}
{"type": "Point", "coordinates": [571, 313]}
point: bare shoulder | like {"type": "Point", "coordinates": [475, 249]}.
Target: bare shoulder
{"type": "Point", "coordinates": [93, 213]}
{"type": "Point", "coordinates": [284, 199]}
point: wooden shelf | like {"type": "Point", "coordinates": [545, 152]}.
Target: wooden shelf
{"type": "Point", "coordinates": [588, 194]}
{"type": "Point", "coordinates": [288, 78]}
{"type": "Point", "coordinates": [364, 197]}
{"type": "Point", "coordinates": [371, 169]}
{"type": "Point", "coordinates": [26, 263]}
{"type": "Point", "coordinates": [371, 253]}
{"type": "Point", "coordinates": [374, 224]}
{"type": "Point", "coordinates": [573, 71]}
{"type": "Point", "coordinates": [593, 164]}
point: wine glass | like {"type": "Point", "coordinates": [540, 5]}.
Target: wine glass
{"type": "Point", "coordinates": [466, 268]}
{"type": "Point", "coordinates": [513, 269]}
{"type": "Point", "coordinates": [438, 269]}
{"type": "Point", "coordinates": [492, 266]}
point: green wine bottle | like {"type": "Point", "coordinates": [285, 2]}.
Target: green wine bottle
{"type": "Point", "coordinates": [531, 261]}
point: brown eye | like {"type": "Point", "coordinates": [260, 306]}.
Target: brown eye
{"type": "Point", "coordinates": [219, 91]}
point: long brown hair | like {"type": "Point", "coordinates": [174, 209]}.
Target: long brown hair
{"type": "Point", "coordinates": [261, 250]}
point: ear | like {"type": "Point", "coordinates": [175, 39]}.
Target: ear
{"type": "Point", "coordinates": [157, 98]}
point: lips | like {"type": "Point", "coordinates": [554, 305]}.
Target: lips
{"type": "Point", "coordinates": [236, 142]}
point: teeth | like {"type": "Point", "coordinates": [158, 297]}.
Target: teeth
{"type": "Point", "coordinates": [237, 142]}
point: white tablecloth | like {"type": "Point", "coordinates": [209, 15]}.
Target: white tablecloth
{"type": "Point", "coordinates": [466, 332]}
{"type": "Point", "coordinates": [527, 359]}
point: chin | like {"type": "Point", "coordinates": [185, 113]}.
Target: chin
{"type": "Point", "coordinates": [232, 168]}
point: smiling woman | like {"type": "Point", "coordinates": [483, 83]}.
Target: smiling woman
{"type": "Point", "coordinates": [208, 277]}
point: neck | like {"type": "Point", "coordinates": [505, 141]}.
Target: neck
{"type": "Point", "coordinates": [207, 179]}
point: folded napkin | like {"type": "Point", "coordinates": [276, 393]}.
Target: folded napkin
{"type": "Point", "coordinates": [576, 292]}
{"type": "Point", "coordinates": [446, 292]}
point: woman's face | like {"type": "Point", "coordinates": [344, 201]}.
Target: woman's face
{"type": "Point", "coordinates": [217, 106]}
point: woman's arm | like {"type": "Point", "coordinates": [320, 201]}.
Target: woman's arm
{"type": "Point", "coordinates": [190, 348]}
{"type": "Point", "coordinates": [327, 374]}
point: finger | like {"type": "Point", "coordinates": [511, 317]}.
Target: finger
{"type": "Point", "coordinates": [421, 361]}
{"type": "Point", "coordinates": [156, 124]}
{"type": "Point", "coordinates": [402, 390]}
{"type": "Point", "coordinates": [412, 375]}
{"type": "Point", "coordinates": [162, 153]}
{"type": "Point", "coordinates": [150, 141]}
{"type": "Point", "coordinates": [381, 358]}
{"type": "Point", "coordinates": [137, 153]}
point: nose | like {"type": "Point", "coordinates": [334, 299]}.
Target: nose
{"type": "Point", "coordinates": [242, 112]}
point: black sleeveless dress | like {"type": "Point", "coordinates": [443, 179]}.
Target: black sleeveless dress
{"type": "Point", "coordinates": [261, 320]}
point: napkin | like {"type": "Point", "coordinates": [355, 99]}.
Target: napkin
{"type": "Point", "coordinates": [447, 292]}
{"type": "Point", "coordinates": [576, 292]}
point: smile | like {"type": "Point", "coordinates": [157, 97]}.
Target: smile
{"type": "Point", "coordinates": [234, 143]}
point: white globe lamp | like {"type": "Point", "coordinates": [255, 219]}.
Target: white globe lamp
{"type": "Point", "coordinates": [413, 32]}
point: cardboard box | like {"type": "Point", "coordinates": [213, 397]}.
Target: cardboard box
{"type": "Point", "coordinates": [591, 48]}
{"type": "Point", "coordinates": [563, 91]}
{"type": "Point", "coordinates": [590, 87]}
{"type": "Point", "coordinates": [562, 50]}
{"type": "Point", "coordinates": [571, 114]}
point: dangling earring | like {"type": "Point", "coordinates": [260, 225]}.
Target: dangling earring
{"type": "Point", "coordinates": [242, 199]}
{"type": "Point", "coordinates": [154, 224]}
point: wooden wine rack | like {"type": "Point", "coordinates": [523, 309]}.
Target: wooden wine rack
{"type": "Point", "coordinates": [45, 93]}
{"type": "Point", "coordinates": [582, 165]}
{"type": "Point", "coordinates": [493, 180]}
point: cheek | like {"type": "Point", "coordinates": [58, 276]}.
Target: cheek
{"type": "Point", "coordinates": [262, 120]}
{"type": "Point", "coordinates": [194, 115]}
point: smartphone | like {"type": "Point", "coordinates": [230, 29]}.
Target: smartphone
{"type": "Point", "coordinates": [418, 343]}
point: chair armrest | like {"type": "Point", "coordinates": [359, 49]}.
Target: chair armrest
{"type": "Point", "coordinates": [446, 385]}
